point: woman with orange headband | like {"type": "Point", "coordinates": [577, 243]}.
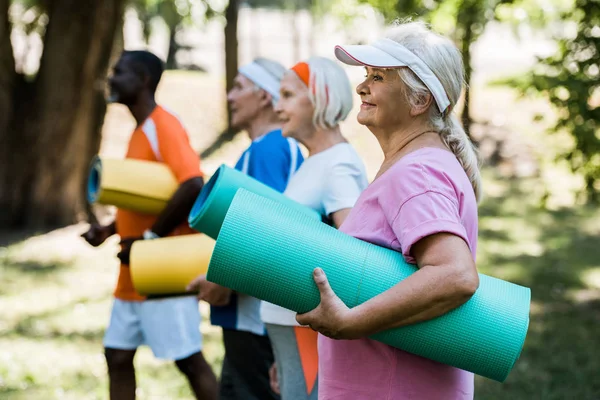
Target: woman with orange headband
{"type": "Point", "coordinates": [315, 96]}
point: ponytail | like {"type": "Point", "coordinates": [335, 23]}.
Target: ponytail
{"type": "Point", "coordinates": [455, 137]}
{"type": "Point", "coordinates": [445, 61]}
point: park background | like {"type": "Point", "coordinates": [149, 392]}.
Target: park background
{"type": "Point", "coordinates": [532, 109]}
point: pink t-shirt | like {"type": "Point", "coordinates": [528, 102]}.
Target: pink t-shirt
{"type": "Point", "coordinates": [424, 193]}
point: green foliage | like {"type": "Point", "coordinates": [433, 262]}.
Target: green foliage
{"type": "Point", "coordinates": [450, 17]}
{"type": "Point", "coordinates": [30, 16]}
{"type": "Point", "coordinates": [570, 80]}
{"type": "Point", "coordinates": [281, 4]}
{"type": "Point", "coordinates": [464, 20]}
{"type": "Point", "coordinates": [174, 13]}
{"type": "Point", "coordinates": [392, 9]}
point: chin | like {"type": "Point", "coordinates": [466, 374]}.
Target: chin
{"type": "Point", "coordinates": [363, 120]}
{"type": "Point", "coordinates": [236, 123]}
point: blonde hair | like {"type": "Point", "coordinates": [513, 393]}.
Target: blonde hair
{"type": "Point", "coordinates": [329, 91]}
{"type": "Point", "coordinates": [444, 59]}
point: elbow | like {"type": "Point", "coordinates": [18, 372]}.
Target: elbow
{"type": "Point", "coordinates": [467, 283]}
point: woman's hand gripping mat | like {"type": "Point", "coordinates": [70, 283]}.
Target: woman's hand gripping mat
{"type": "Point", "coordinates": [268, 250]}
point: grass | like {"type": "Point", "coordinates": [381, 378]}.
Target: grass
{"type": "Point", "coordinates": [55, 295]}
{"type": "Point", "coordinates": [56, 301]}
{"type": "Point", "coordinates": [556, 254]}
{"type": "Point", "coordinates": [56, 298]}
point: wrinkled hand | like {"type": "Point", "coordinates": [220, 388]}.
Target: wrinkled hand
{"type": "Point", "coordinates": [97, 234]}
{"type": "Point", "coordinates": [273, 379]}
{"type": "Point", "coordinates": [332, 317]}
{"type": "Point", "coordinates": [212, 293]}
{"type": "Point", "coordinates": [126, 244]}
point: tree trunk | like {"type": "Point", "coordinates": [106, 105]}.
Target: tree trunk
{"type": "Point", "coordinates": [171, 62]}
{"type": "Point", "coordinates": [470, 13]}
{"type": "Point", "coordinates": [296, 51]}
{"type": "Point", "coordinates": [231, 42]}
{"type": "Point", "coordinates": [254, 34]}
{"type": "Point", "coordinates": [7, 73]}
{"type": "Point", "coordinates": [311, 36]}
{"type": "Point", "coordinates": [118, 43]}
{"type": "Point", "coordinates": [11, 86]}
{"type": "Point", "coordinates": [231, 68]}
{"type": "Point", "coordinates": [467, 40]}
{"type": "Point", "coordinates": [62, 117]}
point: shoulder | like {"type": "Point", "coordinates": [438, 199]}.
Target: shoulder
{"type": "Point", "coordinates": [166, 121]}
{"type": "Point", "coordinates": [348, 154]}
{"type": "Point", "coordinates": [274, 144]}
{"type": "Point", "coordinates": [273, 138]}
{"type": "Point", "coordinates": [345, 158]}
{"type": "Point", "coordinates": [427, 170]}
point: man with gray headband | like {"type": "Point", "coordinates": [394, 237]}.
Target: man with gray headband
{"type": "Point", "coordinates": [272, 160]}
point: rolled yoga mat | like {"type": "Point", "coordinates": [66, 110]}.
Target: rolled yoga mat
{"type": "Point", "coordinates": [269, 251]}
{"type": "Point", "coordinates": [136, 185]}
{"type": "Point", "coordinates": [213, 202]}
{"type": "Point", "coordinates": [166, 266]}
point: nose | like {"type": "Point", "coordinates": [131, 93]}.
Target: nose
{"type": "Point", "coordinates": [277, 107]}
{"type": "Point", "coordinates": [230, 96]}
{"type": "Point", "coordinates": [363, 88]}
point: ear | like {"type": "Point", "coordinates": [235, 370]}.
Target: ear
{"type": "Point", "coordinates": [266, 100]}
{"type": "Point", "coordinates": [423, 104]}
{"type": "Point", "coordinates": [145, 78]}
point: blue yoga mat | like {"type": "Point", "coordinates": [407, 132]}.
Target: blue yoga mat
{"type": "Point", "coordinates": [268, 250]}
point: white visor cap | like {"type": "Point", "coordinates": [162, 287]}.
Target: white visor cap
{"type": "Point", "coordinates": [261, 78]}
{"type": "Point", "coordinates": [386, 53]}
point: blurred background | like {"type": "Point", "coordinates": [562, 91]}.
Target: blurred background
{"type": "Point", "coordinates": [532, 108]}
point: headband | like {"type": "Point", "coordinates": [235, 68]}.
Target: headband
{"type": "Point", "coordinates": [261, 78]}
{"type": "Point", "coordinates": [303, 71]}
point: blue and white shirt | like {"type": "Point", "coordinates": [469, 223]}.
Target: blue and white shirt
{"type": "Point", "coordinates": [272, 160]}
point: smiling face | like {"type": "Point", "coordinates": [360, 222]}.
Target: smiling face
{"type": "Point", "coordinates": [383, 100]}
{"type": "Point", "coordinates": [294, 108]}
{"type": "Point", "coordinates": [245, 101]}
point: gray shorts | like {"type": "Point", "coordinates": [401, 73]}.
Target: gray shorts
{"type": "Point", "coordinates": [295, 350]}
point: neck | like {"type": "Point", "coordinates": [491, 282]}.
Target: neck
{"type": "Point", "coordinates": [322, 139]}
{"type": "Point", "coordinates": [142, 108]}
{"type": "Point", "coordinates": [399, 142]}
{"type": "Point", "coordinates": [264, 123]}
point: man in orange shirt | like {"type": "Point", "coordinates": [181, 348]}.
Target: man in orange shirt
{"type": "Point", "coordinates": [169, 326]}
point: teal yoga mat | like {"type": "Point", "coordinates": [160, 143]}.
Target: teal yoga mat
{"type": "Point", "coordinates": [268, 250]}
{"type": "Point", "coordinates": [211, 206]}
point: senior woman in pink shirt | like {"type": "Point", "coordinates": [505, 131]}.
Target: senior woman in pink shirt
{"type": "Point", "coordinates": [422, 203]}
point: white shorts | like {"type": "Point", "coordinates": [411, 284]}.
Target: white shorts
{"type": "Point", "coordinates": [170, 327]}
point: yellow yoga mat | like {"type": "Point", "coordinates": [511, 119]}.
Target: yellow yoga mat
{"type": "Point", "coordinates": [137, 185]}
{"type": "Point", "coordinates": [167, 265]}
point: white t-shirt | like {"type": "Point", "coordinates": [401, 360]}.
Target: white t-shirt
{"type": "Point", "coordinates": [327, 182]}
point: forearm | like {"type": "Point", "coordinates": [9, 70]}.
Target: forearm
{"type": "Point", "coordinates": [430, 292]}
{"type": "Point", "coordinates": [112, 228]}
{"type": "Point", "coordinates": [178, 207]}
